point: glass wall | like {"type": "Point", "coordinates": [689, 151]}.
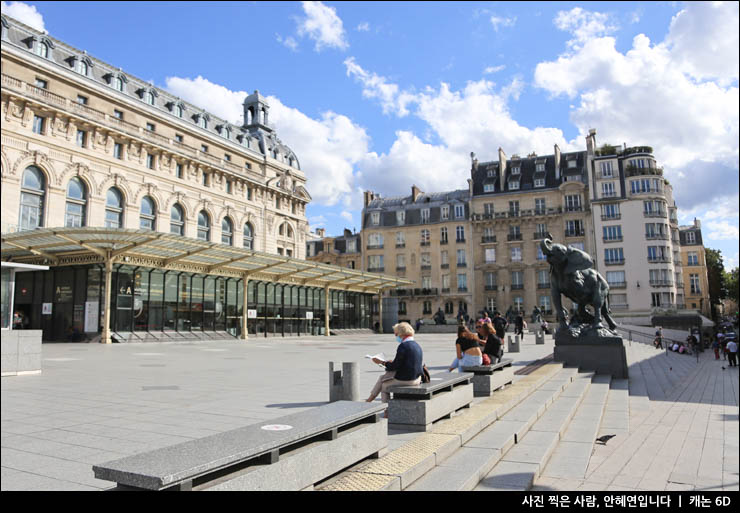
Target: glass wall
{"type": "Point", "coordinates": [66, 303]}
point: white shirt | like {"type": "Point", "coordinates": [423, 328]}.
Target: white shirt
{"type": "Point", "coordinates": [732, 346]}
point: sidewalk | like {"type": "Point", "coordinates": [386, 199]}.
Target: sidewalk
{"type": "Point", "coordinates": [683, 428]}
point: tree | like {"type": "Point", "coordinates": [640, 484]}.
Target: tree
{"type": "Point", "coordinates": [716, 276]}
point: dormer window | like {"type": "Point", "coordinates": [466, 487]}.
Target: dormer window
{"type": "Point", "coordinates": [540, 167]}
{"type": "Point", "coordinates": [82, 67]}
{"type": "Point", "coordinates": [514, 185]}
{"type": "Point", "coordinates": [118, 83]}
{"type": "Point", "coordinates": [489, 187]}
{"type": "Point", "coordinates": [149, 97]}
{"type": "Point", "coordinates": [539, 182]}
{"type": "Point", "coordinates": [516, 170]}
{"type": "Point", "coordinates": [42, 50]}
{"type": "Point", "coordinates": [572, 164]}
{"type": "Point", "coordinates": [179, 111]}
{"type": "Point", "coordinates": [491, 173]}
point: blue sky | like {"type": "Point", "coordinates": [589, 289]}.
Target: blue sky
{"type": "Point", "coordinates": [384, 95]}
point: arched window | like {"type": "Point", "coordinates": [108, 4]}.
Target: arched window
{"type": "Point", "coordinates": [288, 231]}
{"type": "Point", "coordinates": [118, 82]}
{"type": "Point", "coordinates": [179, 111]}
{"type": "Point", "coordinates": [177, 220]}
{"type": "Point", "coordinates": [150, 98]}
{"type": "Point", "coordinates": [227, 231]}
{"type": "Point", "coordinates": [148, 214]}
{"type": "Point", "coordinates": [248, 236]}
{"type": "Point", "coordinates": [227, 132]}
{"type": "Point", "coordinates": [82, 67]}
{"type": "Point", "coordinates": [113, 208]}
{"type": "Point", "coordinates": [33, 192]}
{"type": "Point", "coordinates": [42, 50]}
{"type": "Point", "coordinates": [204, 225]}
{"type": "Point", "coordinates": [76, 203]}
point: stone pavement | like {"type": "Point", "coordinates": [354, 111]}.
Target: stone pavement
{"type": "Point", "coordinates": [682, 432]}
{"type": "Point", "coordinates": [94, 403]}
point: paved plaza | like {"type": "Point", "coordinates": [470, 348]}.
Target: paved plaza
{"type": "Point", "coordinates": [94, 403]}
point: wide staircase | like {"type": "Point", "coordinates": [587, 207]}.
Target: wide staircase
{"type": "Point", "coordinates": [545, 423]}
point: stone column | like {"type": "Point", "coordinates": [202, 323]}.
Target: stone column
{"type": "Point", "coordinates": [106, 338]}
{"type": "Point", "coordinates": [326, 310]}
{"type": "Point", "coordinates": [245, 285]}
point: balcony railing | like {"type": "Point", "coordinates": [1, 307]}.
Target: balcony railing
{"type": "Point", "coordinates": [400, 244]}
{"type": "Point", "coordinates": [617, 306]}
{"type": "Point", "coordinates": [517, 286]}
{"type": "Point", "coordinates": [543, 285]}
{"type": "Point", "coordinates": [426, 267]}
{"type": "Point", "coordinates": [659, 260]}
{"type": "Point", "coordinates": [613, 239]}
{"type": "Point", "coordinates": [539, 235]}
{"type": "Point", "coordinates": [614, 261]}
{"type": "Point", "coordinates": [376, 269]}
{"type": "Point", "coordinates": [444, 266]}
{"type": "Point", "coordinates": [657, 236]}
{"type": "Point", "coordinates": [460, 240]}
{"type": "Point", "coordinates": [654, 213]}
{"type": "Point", "coordinates": [446, 290]}
{"type": "Point", "coordinates": [617, 284]}
{"type": "Point", "coordinates": [462, 289]}
{"type": "Point", "coordinates": [401, 268]}
{"type": "Point", "coordinates": [631, 171]}
{"type": "Point", "coordinates": [443, 242]}
{"type": "Point", "coordinates": [514, 236]}
{"type": "Point", "coordinates": [425, 243]}
{"type": "Point", "coordinates": [574, 233]}
{"type": "Point", "coordinates": [661, 283]}
{"type": "Point", "coordinates": [375, 246]}
{"type": "Point", "coordinates": [612, 217]}
{"type": "Point", "coordinates": [491, 287]}
{"type": "Point", "coordinates": [490, 239]}
{"type": "Point", "coordinates": [462, 264]}
{"type": "Point", "coordinates": [573, 208]}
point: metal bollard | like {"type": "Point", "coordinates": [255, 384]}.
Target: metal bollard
{"type": "Point", "coordinates": [539, 337]}
{"type": "Point", "coordinates": [344, 385]}
{"type": "Point", "coordinates": [514, 345]}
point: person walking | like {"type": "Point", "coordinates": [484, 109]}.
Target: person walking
{"type": "Point", "coordinates": [732, 353]}
{"type": "Point", "coordinates": [499, 324]}
{"type": "Point", "coordinates": [715, 347]}
{"type": "Point", "coordinates": [406, 368]}
{"type": "Point", "coordinates": [519, 324]}
{"type": "Point", "coordinates": [658, 342]}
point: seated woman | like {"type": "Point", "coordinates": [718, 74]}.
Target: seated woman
{"type": "Point", "coordinates": [493, 345]}
{"type": "Point", "coordinates": [468, 350]}
{"type": "Point", "coordinates": [406, 368]}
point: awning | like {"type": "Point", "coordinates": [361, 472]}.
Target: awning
{"type": "Point", "coordinates": [145, 248]}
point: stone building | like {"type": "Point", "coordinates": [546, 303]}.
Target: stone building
{"type": "Point", "coordinates": [516, 203]}
{"type": "Point", "coordinates": [344, 250]}
{"type": "Point", "coordinates": [693, 258]}
{"type": "Point", "coordinates": [426, 239]}
{"type": "Point", "coordinates": [189, 213]}
{"type": "Point", "coordinates": [637, 239]}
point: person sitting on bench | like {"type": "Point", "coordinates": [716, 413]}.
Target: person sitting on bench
{"type": "Point", "coordinates": [468, 350]}
{"type": "Point", "coordinates": [406, 368]}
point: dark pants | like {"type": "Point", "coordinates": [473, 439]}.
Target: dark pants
{"type": "Point", "coordinates": [733, 359]}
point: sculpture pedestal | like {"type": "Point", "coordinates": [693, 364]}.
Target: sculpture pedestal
{"type": "Point", "coordinates": [601, 354]}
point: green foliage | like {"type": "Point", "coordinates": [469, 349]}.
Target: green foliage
{"type": "Point", "coordinates": [716, 276]}
{"type": "Point", "coordinates": [732, 284]}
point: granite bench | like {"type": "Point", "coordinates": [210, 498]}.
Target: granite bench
{"type": "Point", "coordinates": [288, 453]}
{"type": "Point", "coordinates": [489, 378]}
{"type": "Point", "coordinates": [415, 408]}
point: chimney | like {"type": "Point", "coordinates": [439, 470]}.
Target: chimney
{"type": "Point", "coordinates": [347, 232]}
{"type": "Point", "coordinates": [501, 168]}
{"type": "Point", "coordinates": [591, 142]}
{"type": "Point", "coordinates": [697, 223]}
{"type": "Point", "coordinates": [369, 197]}
{"type": "Point", "coordinates": [320, 232]}
{"type": "Point", "coordinates": [557, 161]}
{"type": "Point", "coordinates": [415, 193]}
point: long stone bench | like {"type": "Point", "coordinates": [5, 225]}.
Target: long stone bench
{"type": "Point", "coordinates": [288, 453]}
{"type": "Point", "coordinates": [415, 408]}
{"type": "Point", "coordinates": [489, 378]}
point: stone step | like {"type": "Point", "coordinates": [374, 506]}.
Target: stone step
{"type": "Point", "coordinates": [573, 451]}
{"type": "Point", "coordinates": [523, 463]}
{"type": "Point", "coordinates": [404, 465]}
{"type": "Point", "coordinates": [464, 469]}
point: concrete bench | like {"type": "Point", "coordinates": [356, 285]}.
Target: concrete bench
{"type": "Point", "coordinates": [489, 378]}
{"type": "Point", "coordinates": [288, 453]}
{"type": "Point", "coordinates": [415, 408]}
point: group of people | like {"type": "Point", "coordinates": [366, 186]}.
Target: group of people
{"type": "Point", "coordinates": [407, 367]}
{"type": "Point", "coordinates": [728, 346]}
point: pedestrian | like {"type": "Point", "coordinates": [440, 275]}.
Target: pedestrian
{"type": "Point", "coordinates": [519, 325]}
{"type": "Point", "coordinates": [406, 368]}
{"type": "Point", "coordinates": [658, 342]}
{"type": "Point", "coordinates": [732, 351]}
{"type": "Point", "coordinates": [499, 324]}
{"type": "Point", "coordinates": [715, 347]}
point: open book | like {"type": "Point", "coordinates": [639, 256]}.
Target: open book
{"type": "Point", "coordinates": [379, 356]}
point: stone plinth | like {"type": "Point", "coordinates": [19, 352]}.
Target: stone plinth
{"type": "Point", "coordinates": [21, 352]}
{"type": "Point", "coordinates": [601, 354]}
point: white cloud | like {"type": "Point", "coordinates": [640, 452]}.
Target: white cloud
{"type": "Point", "coordinates": [493, 69]}
{"type": "Point", "coordinates": [502, 21]}
{"type": "Point", "coordinates": [584, 25]}
{"type": "Point", "coordinates": [25, 14]}
{"type": "Point", "coordinates": [289, 41]}
{"type": "Point", "coordinates": [346, 215]}
{"type": "Point", "coordinates": [327, 148]}
{"type": "Point", "coordinates": [721, 230]}
{"type": "Point", "coordinates": [363, 27]}
{"type": "Point", "coordinates": [391, 98]}
{"type": "Point", "coordinates": [322, 24]}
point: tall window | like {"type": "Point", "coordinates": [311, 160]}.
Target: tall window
{"type": "Point", "coordinates": [32, 199]}
{"type": "Point", "coordinates": [147, 214]}
{"type": "Point", "coordinates": [204, 226]}
{"type": "Point", "coordinates": [82, 67]}
{"type": "Point", "coordinates": [400, 217]}
{"type": "Point", "coordinates": [42, 50]}
{"type": "Point", "coordinates": [459, 211]}
{"type": "Point", "coordinates": [490, 254]}
{"type": "Point", "coordinates": [177, 220]}
{"type": "Point", "coordinates": [150, 98]}
{"type": "Point", "coordinates": [445, 212]}
{"type": "Point", "coordinates": [118, 83]}
{"type": "Point", "coordinates": [424, 215]}
{"type": "Point", "coordinates": [460, 233]}
{"type": "Point", "coordinates": [76, 203]}
{"type": "Point", "coordinates": [425, 237]}
{"type": "Point", "coordinates": [461, 262]}
{"type": "Point", "coordinates": [443, 235]}
{"type": "Point", "coordinates": [113, 208]}
{"type": "Point", "coordinates": [227, 231]}
{"type": "Point", "coordinates": [179, 111]}
{"type": "Point", "coordinates": [248, 236]}
{"type": "Point", "coordinates": [38, 125]}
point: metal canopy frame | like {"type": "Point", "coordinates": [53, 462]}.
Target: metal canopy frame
{"type": "Point", "coordinates": [74, 246]}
